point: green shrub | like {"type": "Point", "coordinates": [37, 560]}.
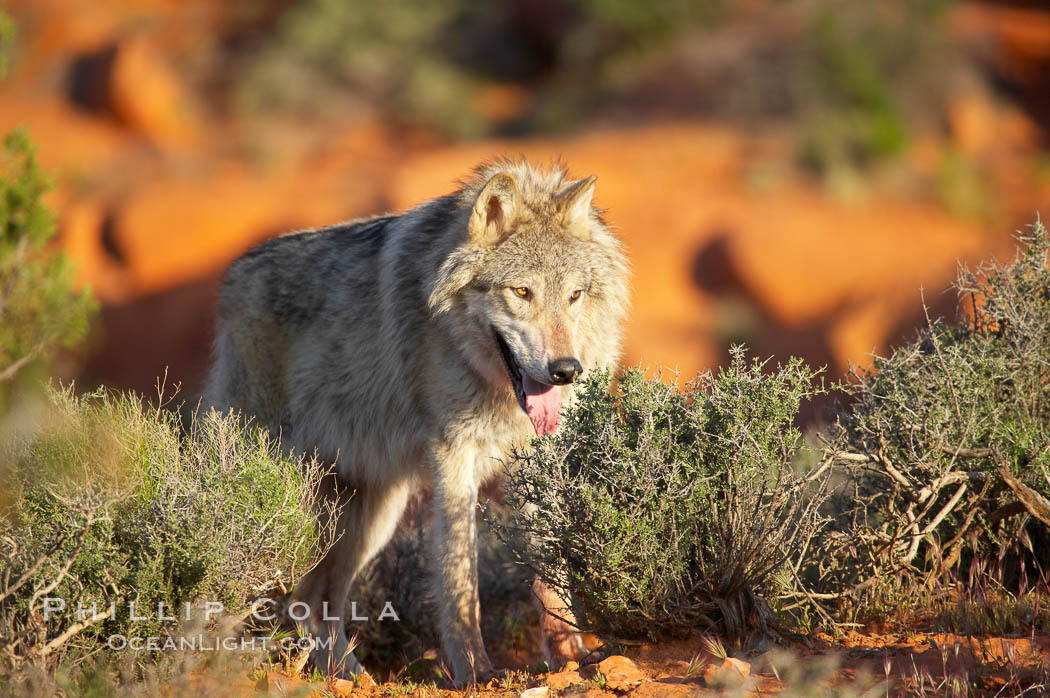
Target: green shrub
{"type": "Point", "coordinates": [662, 512]}
{"type": "Point", "coordinates": [947, 440]}
{"type": "Point", "coordinates": [39, 311]}
{"type": "Point", "coordinates": [110, 501]}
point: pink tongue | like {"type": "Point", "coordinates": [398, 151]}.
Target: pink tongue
{"type": "Point", "coordinates": [542, 404]}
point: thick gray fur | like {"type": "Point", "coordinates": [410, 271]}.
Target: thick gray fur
{"type": "Point", "coordinates": [372, 344]}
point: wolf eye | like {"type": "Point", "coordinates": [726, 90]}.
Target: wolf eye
{"type": "Point", "coordinates": [575, 295]}
{"type": "Point", "coordinates": [522, 291]}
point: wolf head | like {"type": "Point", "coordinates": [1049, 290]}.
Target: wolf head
{"type": "Point", "coordinates": [539, 282]}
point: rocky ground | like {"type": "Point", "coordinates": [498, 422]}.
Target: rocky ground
{"type": "Point", "coordinates": [917, 663]}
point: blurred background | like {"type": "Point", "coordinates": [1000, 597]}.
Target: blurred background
{"type": "Point", "coordinates": [785, 173]}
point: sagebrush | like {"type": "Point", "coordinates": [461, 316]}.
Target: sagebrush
{"type": "Point", "coordinates": [944, 450]}
{"type": "Point", "coordinates": [109, 501]}
{"type": "Point", "coordinates": [663, 511]}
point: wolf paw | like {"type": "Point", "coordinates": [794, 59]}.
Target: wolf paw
{"type": "Point", "coordinates": [562, 647]}
{"type": "Point", "coordinates": [481, 678]}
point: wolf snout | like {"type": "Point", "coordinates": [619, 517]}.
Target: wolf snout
{"type": "Point", "coordinates": [564, 370]}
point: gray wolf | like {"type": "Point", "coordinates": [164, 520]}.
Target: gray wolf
{"type": "Point", "coordinates": [412, 351]}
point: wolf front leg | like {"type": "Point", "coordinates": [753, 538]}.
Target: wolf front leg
{"type": "Point", "coordinates": [367, 519]}
{"type": "Point", "coordinates": [455, 564]}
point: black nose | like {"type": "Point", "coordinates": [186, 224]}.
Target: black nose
{"type": "Point", "coordinates": [564, 371]}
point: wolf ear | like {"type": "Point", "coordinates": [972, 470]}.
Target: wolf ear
{"type": "Point", "coordinates": [574, 207]}
{"type": "Point", "coordinates": [495, 210]}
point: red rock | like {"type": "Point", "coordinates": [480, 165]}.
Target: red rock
{"type": "Point", "coordinates": [620, 672]}
{"type": "Point", "coordinates": [1021, 36]}
{"type": "Point", "coordinates": [501, 102]}
{"type": "Point", "coordinates": [81, 225]}
{"type": "Point", "coordinates": [820, 252]}
{"type": "Point", "coordinates": [972, 121]}
{"type": "Point", "coordinates": [561, 680]}
{"type": "Point", "coordinates": [179, 228]}
{"type": "Point", "coordinates": [147, 96]}
{"type": "Point", "coordinates": [52, 29]}
{"type": "Point", "coordinates": [857, 334]}
{"type": "Point", "coordinates": [79, 144]}
{"type": "Point", "coordinates": [342, 687]}
{"type": "Point", "coordinates": [731, 672]}
{"type": "Point", "coordinates": [740, 665]}
{"type": "Point", "coordinates": [981, 127]}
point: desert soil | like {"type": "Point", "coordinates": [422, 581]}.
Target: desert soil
{"type": "Point", "coordinates": [896, 663]}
